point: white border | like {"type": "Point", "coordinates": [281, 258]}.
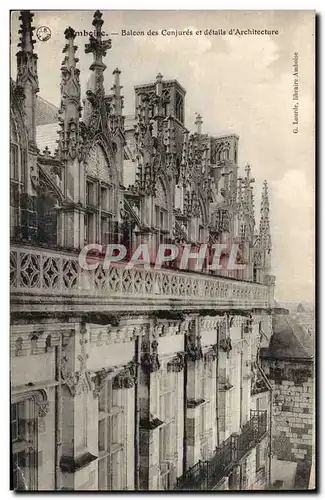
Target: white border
{"type": "Point", "coordinates": [4, 185]}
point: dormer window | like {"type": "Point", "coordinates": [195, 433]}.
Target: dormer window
{"type": "Point", "coordinates": [104, 198]}
{"type": "Point", "coordinates": [224, 155]}
{"type": "Point", "coordinates": [14, 162]}
{"type": "Point", "coordinates": [90, 193]}
{"type": "Point", "coordinates": [17, 172]}
{"type": "Point", "coordinates": [179, 108]}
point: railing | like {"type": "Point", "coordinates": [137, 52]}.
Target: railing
{"type": "Point", "coordinates": [204, 475]}
{"type": "Point", "coordinates": [35, 271]}
{"type": "Point", "coordinates": [251, 433]}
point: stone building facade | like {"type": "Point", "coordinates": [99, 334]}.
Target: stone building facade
{"type": "Point", "coordinates": [132, 377]}
{"type": "Point", "coordinates": [289, 366]}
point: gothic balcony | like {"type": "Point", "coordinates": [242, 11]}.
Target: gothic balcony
{"type": "Point", "coordinates": [53, 279]}
{"type": "Point", "coordinates": [205, 475]}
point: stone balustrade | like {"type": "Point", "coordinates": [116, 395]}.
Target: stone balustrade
{"type": "Point", "coordinates": [54, 278]}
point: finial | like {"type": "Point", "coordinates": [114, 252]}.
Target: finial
{"type": "Point", "coordinates": [265, 190]}
{"type": "Point", "coordinates": [159, 78]}
{"type": "Point", "coordinates": [70, 107]}
{"type": "Point", "coordinates": [46, 151]}
{"type": "Point", "coordinates": [69, 49]}
{"type": "Point", "coordinates": [264, 229]}
{"type": "Point", "coordinates": [265, 198]}
{"type": "Point", "coordinates": [117, 87]}
{"type": "Point", "coordinates": [198, 122]}
{"type": "Point", "coordinates": [70, 33]}
{"type": "Point", "coordinates": [26, 42]}
{"type": "Point", "coordinates": [97, 21]}
{"type": "Point", "coordinates": [117, 99]}
{"type": "Point", "coordinates": [98, 47]}
{"type": "Point", "coordinates": [27, 77]}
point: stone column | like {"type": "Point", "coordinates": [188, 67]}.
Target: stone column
{"type": "Point", "coordinates": [210, 393]}
{"type": "Point", "coordinates": [246, 334]}
{"type": "Point", "coordinates": [194, 403]}
{"type": "Point", "coordinates": [176, 365]}
{"type": "Point", "coordinates": [224, 385]}
{"type": "Point", "coordinates": [149, 422]}
{"type": "Point", "coordinates": [124, 383]}
{"type": "Point", "coordinates": [76, 462]}
{"type": "Point", "coordinates": [194, 357]}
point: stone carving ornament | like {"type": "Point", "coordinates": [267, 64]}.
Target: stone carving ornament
{"type": "Point", "coordinates": [43, 408]}
{"type": "Point", "coordinates": [99, 380]}
{"type": "Point", "coordinates": [225, 345]}
{"type": "Point", "coordinates": [176, 364]}
{"type": "Point", "coordinates": [97, 164]}
{"type": "Point", "coordinates": [126, 378]}
{"type": "Point", "coordinates": [149, 358]}
{"type": "Point", "coordinates": [193, 347]}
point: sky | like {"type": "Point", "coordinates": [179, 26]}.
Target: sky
{"type": "Point", "coordinates": [239, 84]}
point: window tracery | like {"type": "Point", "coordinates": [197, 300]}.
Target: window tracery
{"type": "Point", "coordinates": [161, 210]}
{"type": "Point", "coordinates": [111, 438]}
{"type": "Point", "coordinates": [17, 172]}
{"type": "Point", "coordinates": [167, 432]}
{"type": "Point", "coordinates": [25, 413]}
{"type": "Point", "coordinates": [99, 199]}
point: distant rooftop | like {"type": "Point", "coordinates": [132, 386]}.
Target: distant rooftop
{"type": "Point", "coordinates": [47, 135]}
{"type": "Point", "coordinates": [287, 341]}
{"type": "Point", "coordinates": [164, 83]}
{"type": "Point", "coordinates": [45, 112]}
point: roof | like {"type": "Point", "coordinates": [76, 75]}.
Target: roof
{"type": "Point", "coordinates": [287, 341]}
{"type": "Point", "coordinates": [45, 112]}
{"type": "Point", "coordinates": [165, 83]}
{"type": "Point", "coordinates": [46, 135]}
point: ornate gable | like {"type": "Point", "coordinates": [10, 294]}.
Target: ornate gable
{"type": "Point", "coordinates": [97, 164]}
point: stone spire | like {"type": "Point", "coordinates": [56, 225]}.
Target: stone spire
{"type": "Point", "coordinates": [159, 79]}
{"type": "Point", "coordinates": [99, 48]}
{"type": "Point", "coordinates": [159, 99]}
{"type": "Point", "coordinates": [115, 104]}
{"type": "Point", "coordinates": [70, 98]}
{"type": "Point", "coordinates": [27, 77]}
{"type": "Point", "coordinates": [265, 234]}
{"type": "Point", "coordinates": [198, 122]}
{"type": "Point", "coordinates": [117, 101]}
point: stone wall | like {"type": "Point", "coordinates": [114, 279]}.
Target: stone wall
{"type": "Point", "coordinates": [293, 408]}
{"type": "Point", "coordinates": [90, 355]}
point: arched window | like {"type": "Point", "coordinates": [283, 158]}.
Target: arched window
{"type": "Point", "coordinates": [99, 224]}
{"type": "Point", "coordinates": [161, 210]}
{"type": "Point", "coordinates": [179, 107]}
{"type": "Point", "coordinates": [224, 154]}
{"type": "Point", "coordinates": [14, 153]}
{"type": "Point", "coordinates": [47, 218]}
{"type": "Point", "coordinates": [112, 434]}
{"type": "Point", "coordinates": [24, 419]}
{"type": "Point", "coordinates": [200, 233]}
{"type": "Point", "coordinates": [17, 171]}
